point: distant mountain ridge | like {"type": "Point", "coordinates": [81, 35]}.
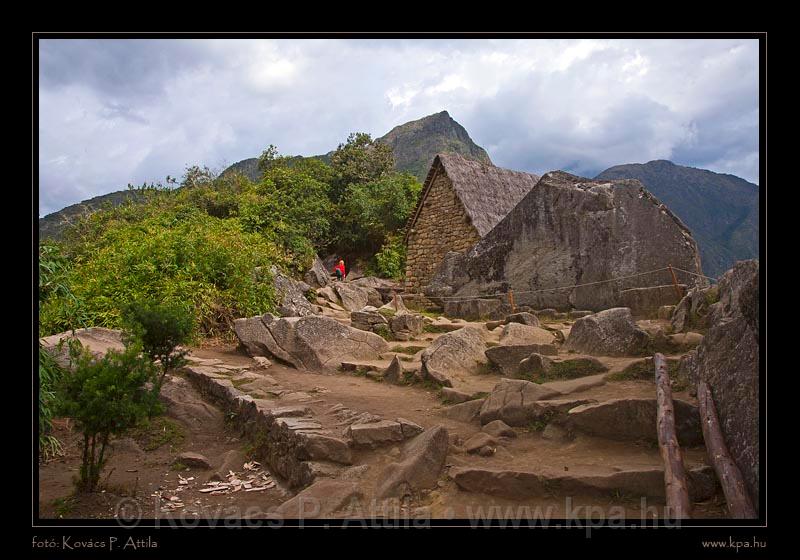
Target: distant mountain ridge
{"type": "Point", "coordinates": [53, 224]}
{"type": "Point", "coordinates": [414, 144]}
{"type": "Point", "coordinates": [721, 210]}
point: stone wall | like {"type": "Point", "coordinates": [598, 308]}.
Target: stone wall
{"type": "Point", "coordinates": [442, 226]}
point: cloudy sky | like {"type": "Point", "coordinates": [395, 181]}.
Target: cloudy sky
{"type": "Point", "coordinates": [113, 112]}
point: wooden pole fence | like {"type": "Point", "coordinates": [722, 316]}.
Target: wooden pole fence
{"type": "Point", "coordinates": [730, 477]}
{"type": "Point", "coordinates": [675, 484]}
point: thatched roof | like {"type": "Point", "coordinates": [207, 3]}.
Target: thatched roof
{"type": "Point", "coordinates": [487, 192]}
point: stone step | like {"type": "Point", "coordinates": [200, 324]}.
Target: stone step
{"type": "Point", "coordinates": [634, 419]}
{"type": "Point", "coordinates": [633, 482]}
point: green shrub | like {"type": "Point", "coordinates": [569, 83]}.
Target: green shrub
{"type": "Point", "coordinates": [390, 261]}
{"type": "Point", "coordinates": [159, 328]}
{"type": "Point", "coordinates": [105, 397]}
{"type": "Point", "coordinates": [180, 255]}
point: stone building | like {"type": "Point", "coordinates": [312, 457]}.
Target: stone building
{"type": "Point", "coordinates": [461, 201]}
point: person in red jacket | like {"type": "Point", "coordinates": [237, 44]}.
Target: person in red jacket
{"type": "Point", "coordinates": [339, 270]}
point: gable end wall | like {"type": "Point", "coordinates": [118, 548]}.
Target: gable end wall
{"type": "Point", "coordinates": [442, 226]}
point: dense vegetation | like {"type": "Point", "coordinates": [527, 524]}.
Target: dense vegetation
{"type": "Point", "coordinates": [199, 246]}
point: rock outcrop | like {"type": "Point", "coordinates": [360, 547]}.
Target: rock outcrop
{"type": "Point", "coordinates": [317, 276]}
{"type": "Point", "coordinates": [422, 461]}
{"type": "Point", "coordinates": [513, 402]}
{"type": "Point", "coordinates": [728, 360]}
{"type": "Point", "coordinates": [452, 353]}
{"type": "Point", "coordinates": [291, 294]}
{"type": "Point", "coordinates": [692, 311]}
{"type": "Point", "coordinates": [567, 231]}
{"type": "Point", "coordinates": [313, 342]}
{"type": "Point", "coordinates": [612, 332]}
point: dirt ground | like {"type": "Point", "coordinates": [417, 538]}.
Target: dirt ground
{"type": "Point", "coordinates": [140, 479]}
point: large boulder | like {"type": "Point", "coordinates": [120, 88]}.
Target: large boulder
{"type": "Point", "coordinates": [324, 499]}
{"type": "Point", "coordinates": [507, 358]}
{"type": "Point", "coordinates": [517, 334]}
{"type": "Point", "coordinates": [291, 294]}
{"type": "Point", "coordinates": [453, 353]}
{"type": "Point", "coordinates": [572, 231]}
{"type": "Point", "coordinates": [728, 360]}
{"type": "Point", "coordinates": [405, 326]}
{"type": "Point", "coordinates": [367, 319]}
{"type": "Point", "coordinates": [329, 294]}
{"type": "Point", "coordinates": [381, 286]}
{"type": "Point", "coordinates": [313, 342]}
{"type": "Point", "coordinates": [395, 306]}
{"type": "Point", "coordinates": [422, 462]}
{"type": "Point", "coordinates": [612, 332]}
{"type": "Point", "coordinates": [317, 276]}
{"type": "Point", "coordinates": [524, 318]}
{"type": "Point", "coordinates": [355, 297]}
{"type": "Point", "coordinates": [464, 412]}
{"type": "Point", "coordinates": [254, 335]}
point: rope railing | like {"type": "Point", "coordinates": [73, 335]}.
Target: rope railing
{"type": "Point", "coordinates": [457, 299]}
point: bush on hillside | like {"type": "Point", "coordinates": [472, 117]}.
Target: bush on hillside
{"type": "Point", "coordinates": [180, 255]}
{"type": "Point", "coordinates": [105, 397]}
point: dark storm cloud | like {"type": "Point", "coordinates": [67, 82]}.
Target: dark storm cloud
{"type": "Point", "coordinates": [119, 112]}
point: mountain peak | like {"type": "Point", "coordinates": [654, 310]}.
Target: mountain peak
{"type": "Point", "coordinates": [415, 143]}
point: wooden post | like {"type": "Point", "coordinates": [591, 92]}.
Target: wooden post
{"type": "Point", "coordinates": [676, 487]}
{"type": "Point", "coordinates": [511, 300]}
{"type": "Point", "coordinates": [730, 477]}
{"type": "Point", "coordinates": [675, 282]}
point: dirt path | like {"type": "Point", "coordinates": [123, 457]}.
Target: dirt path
{"type": "Point", "coordinates": [140, 477]}
{"type": "Point", "coordinates": [529, 451]}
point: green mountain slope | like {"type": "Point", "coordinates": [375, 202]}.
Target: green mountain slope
{"type": "Point", "coordinates": [53, 224]}
{"type": "Point", "coordinates": [721, 210]}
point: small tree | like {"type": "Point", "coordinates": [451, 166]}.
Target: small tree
{"type": "Point", "coordinates": [159, 329]}
{"type": "Point", "coordinates": [104, 397]}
